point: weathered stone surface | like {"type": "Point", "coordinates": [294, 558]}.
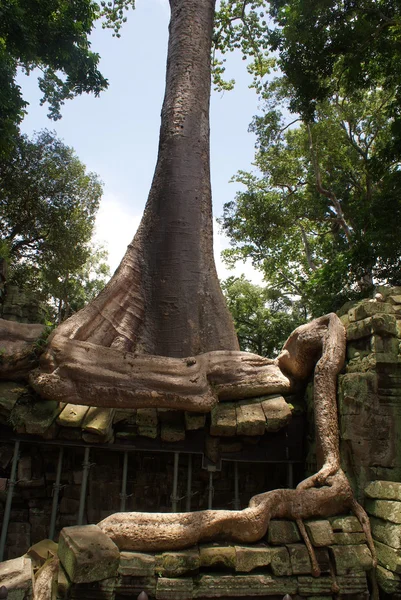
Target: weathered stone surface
{"type": "Point", "coordinates": [315, 586]}
{"type": "Point", "coordinates": [320, 533]}
{"type": "Point", "coordinates": [249, 558]}
{"type": "Point", "coordinates": [63, 583]}
{"type": "Point", "coordinates": [354, 583]}
{"type": "Point", "coordinates": [16, 575]}
{"type": "Point", "coordinates": [351, 559]}
{"type": "Point", "coordinates": [174, 564]}
{"type": "Point", "coordinates": [349, 539]}
{"type": "Point", "coordinates": [349, 524]}
{"type": "Point", "coordinates": [390, 510]}
{"type": "Point", "coordinates": [356, 390]}
{"type": "Point", "coordinates": [9, 394]}
{"type": "Point", "coordinates": [170, 432]}
{"type": "Point", "coordinates": [389, 582]}
{"type": "Point", "coordinates": [282, 532]}
{"type": "Point", "coordinates": [194, 421]}
{"type": "Point", "coordinates": [251, 418]}
{"type": "Point", "coordinates": [280, 563]}
{"type": "Point", "coordinates": [36, 415]}
{"type": "Point", "coordinates": [367, 308]}
{"type": "Point", "coordinates": [72, 415]}
{"type": "Point", "coordinates": [384, 490]}
{"type": "Point", "coordinates": [137, 564]}
{"type": "Point", "coordinates": [223, 420]}
{"type": "Point", "coordinates": [172, 589]}
{"type": "Point", "coordinates": [98, 421]}
{"type": "Point", "coordinates": [217, 556]}
{"type": "Point", "coordinates": [388, 557]}
{"type": "Point", "coordinates": [299, 557]}
{"type": "Point", "coordinates": [40, 552]}
{"type": "Point", "coordinates": [277, 412]}
{"type": "Point", "coordinates": [146, 419]}
{"type": "Point", "coordinates": [133, 586]}
{"type": "Point", "coordinates": [386, 532]}
{"type": "Point", "coordinates": [216, 586]}
{"type": "Point", "coordinates": [87, 554]}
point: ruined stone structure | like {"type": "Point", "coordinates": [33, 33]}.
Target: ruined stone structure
{"type": "Point", "coordinates": [160, 450]}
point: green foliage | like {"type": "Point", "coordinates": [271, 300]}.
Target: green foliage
{"type": "Point", "coordinates": [322, 221]}
{"type": "Point", "coordinates": [48, 204]}
{"type": "Point", "coordinates": [263, 317]}
{"type": "Point", "coordinates": [324, 45]}
{"type": "Point", "coordinates": [52, 36]}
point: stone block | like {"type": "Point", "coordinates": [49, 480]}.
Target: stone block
{"type": "Point", "coordinates": [17, 576]}
{"type": "Point", "coordinates": [147, 422]}
{"type": "Point", "coordinates": [63, 583]}
{"type": "Point", "coordinates": [368, 308]}
{"type": "Point", "coordinates": [171, 432]}
{"type": "Point", "coordinates": [387, 557]}
{"type": "Point", "coordinates": [137, 564]}
{"type": "Point", "coordinates": [223, 420]}
{"type": "Point", "coordinates": [41, 551]}
{"type": "Point", "coordinates": [384, 490]}
{"type": "Point", "coordinates": [249, 558]}
{"type": "Point", "coordinates": [277, 412]}
{"type": "Point", "coordinates": [353, 584]}
{"type": "Point", "coordinates": [349, 524]}
{"type": "Point", "coordinates": [174, 564]}
{"type": "Point", "coordinates": [351, 559]}
{"type": "Point", "coordinates": [133, 586]}
{"type": "Point", "coordinates": [320, 533]}
{"type": "Point", "coordinates": [386, 532]}
{"type": "Point", "coordinates": [389, 510]}
{"type": "Point", "coordinates": [388, 581]}
{"type": "Point", "coordinates": [217, 556]}
{"type": "Point", "coordinates": [299, 557]}
{"type": "Point", "coordinates": [356, 390]}
{"type": "Point", "coordinates": [280, 562]}
{"type": "Point", "coordinates": [174, 589]}
{"type": "Point", "coordinates": [315, 586]}
{"type": "Point", "coordinates": [194, 421]}
{"type": "Point", "coordinates": [282, 532]}
{"type": "Point", "coordinates": [251, 418]}
{"type": "Point", "coordinates": [217, 586]}
{"type": "Point", "coordinates": [87, 554]}
{"type": "Point", "coordinates": [349, 539]}
{"type": "Point", "coordinates": [69, 506]}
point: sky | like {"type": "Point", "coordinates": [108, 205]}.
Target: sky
{"type": "Point", "coordinates": [116, 134]}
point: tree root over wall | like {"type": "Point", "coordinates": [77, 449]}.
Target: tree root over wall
{"type": "Point", "coordinates": [84, 373]}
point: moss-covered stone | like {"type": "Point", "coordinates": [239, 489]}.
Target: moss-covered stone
{"type": "Point", "coordinates": [282, 532]}
{"type": "Point", "coordinates": [349, 539]}
{"type": "Point", "coordinates": [133, 586]}
{"type": "Point", "coordinates": [16, 575]}
{"type": "Point", "coordinates": [171, 432]}
{"type": "Point", "coordinates": [353, 584]}
{"type": "Point", "coordinates": [315, 586]}
{"type": "Point", "coordinates": [87, 554]}
{"type": "Point", "coordinates": [349, 524]}
{"type": "Point", "coordinates": [63, 583]}
{"type": "Point", "coordinates": [384, 490]}
{"type": "Point", "coordinates": [280, 563]}
{"type": "Point", "coordinates": [389, 510]}
{"type": "Point", "coordinates": [367, 308]}
{"type": "Point", "coordinates": [223, 420]}
{"type": "Point", "coordinates": [388, 581]}
{"type": "Point", "coordinates": [299, 558]}
{"type": "Point", "coordinates": [147, 422]}
{"type": "Point", "coordinates": [388, 557]}
{"type": "Point", "coordinates": [386, 532]}
{"type": "Point", "coordinates": [251, 419]}
{"type": "Point", "coordinates": [212, 555]}
{"type": "Point", "coordinates": [351, 559]}
{"type": "Point", "coordinates": [137, 564]}
{"type": "Point", "coordinates": [249, 558]}
{"type": "Point", "coordinates": [35, 414]}
{"type": "Point", "coordinates": [217, 586]}
{"type": "Point", "coordinates": [194, 421]}
{"type": "Point", "coordinates": [320, 533]}
{"type": "Point", "coordinates": [174, 564]}
{"type": "Point", "coordinates": [174, 589]}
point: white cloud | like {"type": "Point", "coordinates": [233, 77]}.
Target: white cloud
{"type": "Point", "coordinates": [221, 242]}
{"type": "Point", "coordinates": [115, 228]}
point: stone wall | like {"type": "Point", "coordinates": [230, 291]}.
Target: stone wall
{"type": "Point", "coordinates": [19, 305]}
{"type": "Point", "coordinates": [149, 486]}
{"type": "Point", "coordinates": [93, 567]}
{"type": "Point", "coordinates": [370, 391]}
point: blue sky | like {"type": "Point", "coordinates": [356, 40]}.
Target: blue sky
{"type": "Point", "coordinates": [116, 135]}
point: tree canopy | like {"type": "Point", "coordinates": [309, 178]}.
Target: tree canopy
{"type": "Point", "coordinates": [53, 37]}
{"type": "Point", "coordinates": [321, 221]}
{"type": "Point", "coordinates": [48, 204]}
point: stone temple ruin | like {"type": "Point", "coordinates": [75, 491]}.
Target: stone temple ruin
{"type": "Point", "coordinates": [65, 467]}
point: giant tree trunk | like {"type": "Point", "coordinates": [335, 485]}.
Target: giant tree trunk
{"type": "Point", "coordinates": [165, 297]}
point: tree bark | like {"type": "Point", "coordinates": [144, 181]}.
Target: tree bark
{"type": "Point", "coordinates": [165, 297]}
